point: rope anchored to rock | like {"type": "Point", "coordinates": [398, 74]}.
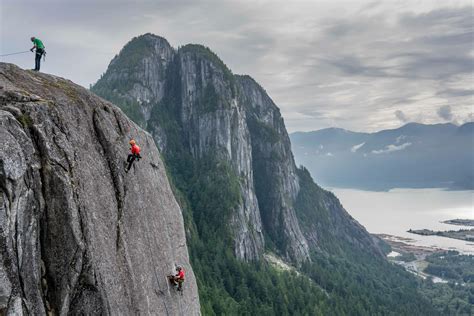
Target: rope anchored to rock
{"type": "Point", "coordinates": [26, 51]}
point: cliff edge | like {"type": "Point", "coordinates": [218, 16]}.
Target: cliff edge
{"type": "Point", "coordinates": [77, 234]}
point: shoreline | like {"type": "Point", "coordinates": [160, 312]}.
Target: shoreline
{"type": "Point", "coordinates": [414, 264]}
{"type": "Point", "coordinates": [401, 245]}
{"type": "Point", "coordinates": [461, 234]}
{"type": "Point", "coordinates": [459, 222]}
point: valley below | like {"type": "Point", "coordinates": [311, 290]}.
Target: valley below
{"type": "Point", "coordinates": [441, 253]}
{"type": "Point", "coordinates": [395, 212]}
{"type": "Point", "coordinates": [415, 259]}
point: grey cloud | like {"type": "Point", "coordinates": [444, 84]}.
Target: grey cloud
{"type": "Point", "coordinates": [391, 148]}
{"type": "Point", "coordinates": [401, 116]}
{"type": "Point", "coordinates": [462, 38]}
{"type": "Point", "coordinates": [323, 66]}
{"type": "Point", "coordinates": [455, 93]}
{"type": "Point", "coordinates": [438, 68]}
{"type": "Point", "coordinates": [445, 112]}
{"type": "Point", "coordinates": [355, 148]}
{"type": "Point", "coordinates": [460, 17]}
{"type": "Point", "coordinates": [351, 65]}
{"type": "Point", "coordinates": [434, 45]}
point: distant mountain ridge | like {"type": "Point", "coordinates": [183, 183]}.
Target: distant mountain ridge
{"type": "Point", "coordinates": [412, 156]}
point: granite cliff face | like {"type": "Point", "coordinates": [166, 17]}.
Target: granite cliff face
{"type": "Point", "coordinates": [77, 234]}
{"type": "Point", "coordinates": [144, 75]}
{"type": "Point", "coordinates": [199, 92]}
{"type": "Point", "coordinates": [214, 124]}
{"type": "Point", "coordinates": [276, 181]}
{"type": "Point", "coordinates": [213, 113]}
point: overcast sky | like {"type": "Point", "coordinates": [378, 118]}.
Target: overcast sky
{"type": "Point", "coordinates": [359, 65]}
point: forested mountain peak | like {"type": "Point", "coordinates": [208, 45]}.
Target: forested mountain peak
{"type": "Point", "coordinates": [230, 118]}
{"type": "Point", "coordinates": [228, 153]}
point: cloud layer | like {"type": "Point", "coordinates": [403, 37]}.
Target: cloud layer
{"type": "Point", "coordinates": [390, 148]}
{"type": "Point", "coordinates": [358, 65]}
{"type": "Point", "coordinates": [355, 148]}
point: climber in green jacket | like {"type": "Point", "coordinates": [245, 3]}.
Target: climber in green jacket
{"type": "Point", "coordinates": [38, 46]}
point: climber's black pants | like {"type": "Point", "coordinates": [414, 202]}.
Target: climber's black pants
{"type": "Point", "coordinates": [130, 159]}
{"type": "Point", "coordinates": [176, 281]}
{"type": "Point", "coordinates": [39, 53]}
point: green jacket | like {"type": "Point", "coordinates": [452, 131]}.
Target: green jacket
{"type": "Point", "coordinates": [38, 43]}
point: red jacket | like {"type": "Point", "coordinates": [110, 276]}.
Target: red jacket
{"type": "Point", "coordinates": [180, 274]}
{"type": "Point", "coordinates": [135, 149]}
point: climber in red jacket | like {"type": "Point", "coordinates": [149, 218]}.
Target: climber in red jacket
{"type": "Point", "coordinates": [178, 278]}
{"type": "Point", "coordinates": [135, 154]}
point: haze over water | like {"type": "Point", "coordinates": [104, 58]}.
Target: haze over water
{"type": "Point", "coordinates": [396, 211]}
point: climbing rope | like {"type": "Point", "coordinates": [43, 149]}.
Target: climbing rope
{"type": "Point", "coordinates": [26, 51]}
{"type": "Point", "coordinates": [155, 265]}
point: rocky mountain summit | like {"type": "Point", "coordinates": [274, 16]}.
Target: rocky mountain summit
{"type": "Point", "coordinates": [194, 106]}
{"type": "Point", "coordinates": [77, 234]}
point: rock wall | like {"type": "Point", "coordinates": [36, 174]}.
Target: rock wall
{"type": "Point", "coordinates": [214, 123]}
{"type": "Point", "coordinates": [77, 234]}
{"type": "Point", "coordinates": [276, 181]}
{"type": "Point", "coordinates": [212, 119]}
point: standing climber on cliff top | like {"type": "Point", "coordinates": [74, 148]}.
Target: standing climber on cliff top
{"type": "Point", "coordinates": [135, 154]}
{"type": "Point", "coordinates": [38, 46]}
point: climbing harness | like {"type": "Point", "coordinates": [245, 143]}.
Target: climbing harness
{"type": "Point", "coordinates": [176, 283]}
